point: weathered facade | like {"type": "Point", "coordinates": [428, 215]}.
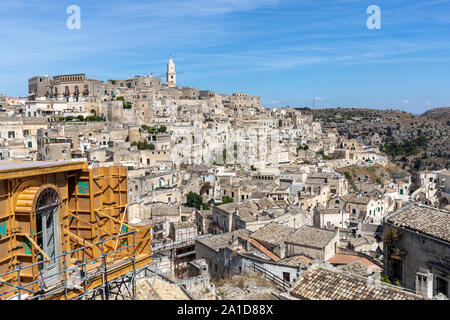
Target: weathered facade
{"type": "Point", "coordinates": [417, 249]}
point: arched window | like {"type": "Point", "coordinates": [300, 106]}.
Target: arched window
{"type": "Point", "coordinates": [47, 218]}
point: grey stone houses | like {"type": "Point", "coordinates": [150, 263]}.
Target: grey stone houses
{"type": "Point", "coordinates": [315, 243]}
{"type": "Point", "coordinates": [213, 250]}
{"type": "Point", "coordinates": [417, 249]}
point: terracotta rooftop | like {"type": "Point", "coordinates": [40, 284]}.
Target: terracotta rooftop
{"type": "Point", "coordinates": [263, 249]}
{"type": "Point", "coordinates": [346, 259]}
{"type": "Point", "coordinates": [323, 284]}
{"type": "Point", "coordinates": [428, 220]}
{"type": "Point", "coordinates": [355, 267]}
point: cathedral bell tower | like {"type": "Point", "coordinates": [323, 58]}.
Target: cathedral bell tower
{"type": "Point", "coordinates": [171, 75]}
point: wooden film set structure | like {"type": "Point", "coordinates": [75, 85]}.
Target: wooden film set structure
{"type": "Point", "coordinates": [64, 233]}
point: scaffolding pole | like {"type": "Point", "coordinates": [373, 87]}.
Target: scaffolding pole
{"type": "Point", "coordinates": [86, 276]}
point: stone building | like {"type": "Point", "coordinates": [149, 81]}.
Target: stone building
{"type": "Point", "coordinates": [183, 231]}
{"type": "Point", "coordinates": [417, 249]}
{"type": "Point", "coordinates": [51, 147]}
{"type": "Point", "coordinates": [38, 87]}
{"type": "Point", "coordinates": [315, 243]}
{"type": "Point", "coordinates": [213, 250]}
{"type": "Point", "coordinates": [171, 75]}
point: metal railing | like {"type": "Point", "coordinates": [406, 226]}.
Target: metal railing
{"type": "Point", "coordinates": [271, 276]}
{"type": "Point", "coordinates": [63, 283]}
{"type": "Point", "coordinates": [174, 244]}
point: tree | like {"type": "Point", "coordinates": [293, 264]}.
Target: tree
{"type": "Point", "coordinates": [194, 200]}
{"type": "Point", "coordinates": [226, 199]}
{"type": "Point", "coordinates": [224, 155]}
{"type": "Point", "coordinates": [162, 129]}
{"type": "Point", "coordinates": [324, 156]}
{"type": "Point", "coordinates": [80, 118]}
{"type": "Point", "coordinates": [127, 105]}
{"type": "Point", "coordinates": [94, 119]}
{"type": "Point", "coordinates": [385, 278]}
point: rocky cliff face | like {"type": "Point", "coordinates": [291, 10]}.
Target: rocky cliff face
{"type": "Point", "coordinates": [439, 114]}
{"type": "Point", "coordinates": [396, 130]}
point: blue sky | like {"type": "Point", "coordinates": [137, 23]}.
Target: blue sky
{"type": "Point", "coordinates": [286, 51]}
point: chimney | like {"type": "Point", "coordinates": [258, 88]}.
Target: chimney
{"type": "Point", "coordinates": [424, 283]}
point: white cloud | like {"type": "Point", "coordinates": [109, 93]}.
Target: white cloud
{"type": "Point", "coordinates": [318, 99]}
{"type": "Point", "coordinates": [406, 102]}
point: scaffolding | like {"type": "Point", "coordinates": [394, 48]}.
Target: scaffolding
{"type": "Point", "coordinates": [182, 252]}
{"type": "Point", "coordinates": [64, 232]}
{"type": "Point", "coordinates": [104, 277]}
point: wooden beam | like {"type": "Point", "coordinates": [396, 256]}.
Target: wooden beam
{"type": "Point", "coordinates": [114, 219]}
{"type": "Point", "coordinates": [70, 234]}
{"type": "Point", "coordinates": [41, 170]}
{"type": "Point", "coordinates": [91, 224]}
{"type": "Point", "coordinates": [37, 247]}
{"type": "Point", "coordinates": [120, 232]}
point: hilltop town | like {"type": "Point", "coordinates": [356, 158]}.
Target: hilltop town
{"type": "Point", "coordinates": [243, 201]}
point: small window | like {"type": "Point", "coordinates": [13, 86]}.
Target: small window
{"type": "Point", "coordinates": [397, 269]}
{"type": "Point", "coordinates": [441, 286]}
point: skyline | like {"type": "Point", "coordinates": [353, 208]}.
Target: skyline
{"type": "Point", "coordinates": [287, 52]}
